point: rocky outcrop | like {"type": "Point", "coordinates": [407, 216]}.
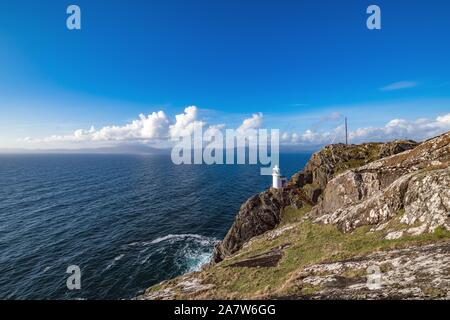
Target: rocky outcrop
{"type": "Point", "coordinates": [417, 272]}
{"type": "Point", "coordinates": [257, 215]}
{"type": "Point", "coordinates": [353, 211]}
{"type": "Point", "coordinates": [262, 212]}
{"type": "Point", "coordinates": [264, 260]}
{"type": "Point", "coordinates": [187, 285]}
{"type": "Point", "coordinates": [336, 158]}
{"type": "Point", "coordinates": [416, 181]}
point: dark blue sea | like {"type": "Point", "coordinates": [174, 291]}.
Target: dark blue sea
{"type": "Point", "coordinates": [128, 221]}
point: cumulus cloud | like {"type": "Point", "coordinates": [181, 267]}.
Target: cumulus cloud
{"type": "Point", "coordinates": [312, 137]}
{"type": "Point", "coordinates": [255, 122]}
{"type": "Point", "coordinates": [157, 127]}
{"type": "Point", "coordinates": [399, 85]}
{"type": "Point", "coordinates": [213, 129]}
{"type": "Point", "coordinates": [419, 129]}
{"type": "Point", "coordinates": [151, 127]}
{"type": "Point", "coordinates": [185, 123]}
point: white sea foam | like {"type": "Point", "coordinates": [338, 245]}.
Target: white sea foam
{"type": "Point", "coordinates": [177, 237]}
{"type": "Point", "coordinates": [195, 260]}
{"type": "Point", "coordinates": [120, 256]}
{"type": "Point", "coordinates": [194, 252]}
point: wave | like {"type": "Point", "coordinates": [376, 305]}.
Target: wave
{"type": "Point", "coordinates": [114, 261]}
{"type": "Point", "coordinates": [196, 260]}
{"type": "Point", "coordinates": [177, 237]}
{"type": "Point", "coordinates": [191, 251]}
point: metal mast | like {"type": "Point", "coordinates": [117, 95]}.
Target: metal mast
{"type": "Point", "coordinates": [346, 132]}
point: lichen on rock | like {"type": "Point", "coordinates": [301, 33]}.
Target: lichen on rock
{"type": "Point", "coordinates": [417, 181]}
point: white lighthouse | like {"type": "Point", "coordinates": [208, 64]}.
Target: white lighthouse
{"type": "Point", "coordinates": [278, 181]}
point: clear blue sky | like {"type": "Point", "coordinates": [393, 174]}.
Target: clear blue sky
{"type": "Point", "coordinates": [290, 60]}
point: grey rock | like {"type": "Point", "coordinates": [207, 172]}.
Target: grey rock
{"type": "Point", "coordinates": [418, 272]}
{"type": "Point", "coordinates": [261, 213]}
{"type": "Point", "coordinates": [417, 181]}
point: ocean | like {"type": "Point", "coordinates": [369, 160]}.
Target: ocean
{"type": "Point", "coordinates": [128, 221]}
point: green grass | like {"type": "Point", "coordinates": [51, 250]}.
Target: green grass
{"type": "Point", "coordinates": [309, 244]}
{"type": "Point", "coordinates": [312, 243]}
{"type": "Point", "coordinates": [441, 233]}
{"type": "Point", "coordinates": [290, 215]}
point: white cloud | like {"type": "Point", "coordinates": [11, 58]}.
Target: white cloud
{"type": "Point", "coordinates": [185, 123]}
{"type": "Point", "coordinates": [445, 119]}
{"type": "Point", "coordinates": [419, 129]}
{"type": "Point", "coordinates": [285, 137]}
{"type": "Point", "coordinates": [152, 127]}
{"type": "Point", "coordinates": [213, 129]}
{"type": "Point", "coordinates": [331, 117]}
{"type": "Point", "coordinates": [399, 85]}
{"type": "Point", "coordinates": [312, 137]}
{"type": "Point", "coordinates": [255, 122]}
{"type": "Point", "coordinates": [157, 127]}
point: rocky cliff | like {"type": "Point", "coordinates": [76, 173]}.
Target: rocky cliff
{"type": "Point", "coordinates": [416, 181]}
{"type": "Point", "coordinates": [351, 211]}
{"type": "Point", "coordinates": [263, 211]}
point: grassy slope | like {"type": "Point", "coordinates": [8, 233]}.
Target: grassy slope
{"type": "Point", "coordinates": [308, 244]}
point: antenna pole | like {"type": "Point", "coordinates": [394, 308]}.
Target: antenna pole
{"type": "Point", "coordinates": [346, 132]}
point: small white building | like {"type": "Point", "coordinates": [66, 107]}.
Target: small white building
{"type": "Point", "coordinates": [278, 181]}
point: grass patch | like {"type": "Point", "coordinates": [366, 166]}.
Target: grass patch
{"type": "Point", "coordinates": [291, 215]}
{"type": "Point", "coordinates": [309, 244]}
{"type": "Point", "coordinates": [441, 233]}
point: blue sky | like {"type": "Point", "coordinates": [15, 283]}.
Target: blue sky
{"type": "Point", "coordinates": [301, 64]}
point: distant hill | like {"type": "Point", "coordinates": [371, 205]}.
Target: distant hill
{"type": "Point", "coordinates": [120, 149]}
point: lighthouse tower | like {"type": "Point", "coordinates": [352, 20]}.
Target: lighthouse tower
{"type": "Point", "coordinates": [276, 178]}
{"type": "Point", "coordinates": [278, 181]}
